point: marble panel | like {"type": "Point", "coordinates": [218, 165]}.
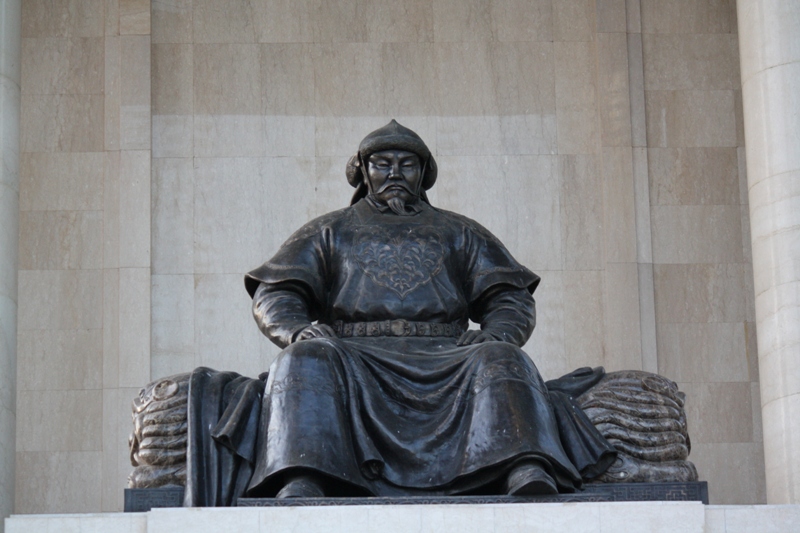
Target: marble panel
{"type": "Point", "coordinates": [287, 79]}
{"type": "Point", "coordinates": [111, 325]}
{"type": "Point", "coordinates": [700, 293]}
{"type": "Point", "coordinates": [622, 326]}
{"type": "Point", "coordinates": [172, 204]}
{"type": "Point", "coordinates": [619, 205]}
{"type": "Point", "coordinates": [583, 317]}
{"type": "Point", "coordinates": [62, 123]}
{"type": "Point", "coordinates": [408, 78]}
{"type": "Point", "coordinates": [693, 176]}
{"type": "Point", "coordinates": [59, 420]}
{"type": "Point", "coordinates": [762, 518]}
{"type": "Point", "coordinates": [355, 62]}
{"type": "Point", "coordinates": [229, 135]}
{"type": "Point", "coordinates": [112, 18]}
{"type": "Point", "coordinates": [227, 235]}
{"type": "Point", "coordinates": [226, 79]}
{"type": "Point", "coordinates": [47, 482]}
{"type": "Point", "coordinates": [696, 234]}
{"type": "Point", "coordinates": [74, 299]}
{"type": "Point", "coordinates": [330, 192]}
{"type": "Point", "coordinates": [340, 136]}
{"type": "Point", "coordinates": [699, 62]}
{"type": "Point", "coordinates": [636, 82]}
{"type": "Point", "coordinates": [524, 76]}
{"type": "Point", "coordinates": [53, 240]}
{"type": "Point", "coordinates": [576, 97]}
{"type": "Point", "coordinates": [134, 209]}
{"type": "Point", "coordinates": [344, 21]}
{"type": "Point", "coordinates": [493, 135]}
{"type": "Point", "coordinates": [134, 327]}
{"type": "Point", "coordinates": [574, 20]}
{"type": "Point", "coordinates": [399, 21]}
{"type": "Point", "coordinates": [775, 133]}
{"type": "Point", "coordinates": [734, 471]}
{"type": "Point", "coordinates": [64, 18]}
{"type": "Point", "coordinates": [522, 20]}
{"type": "Point", "coordinates": [285, 21]}
{"type": "Point", "coordinates": [710, 352]}
{"type": "Point", "coordinates": [224, 21]}
{"type": "Point", "coordinates": [684, 517]}
{"type": "Point", "coordinates": [289, 135]}
{"type": "Point", "coordinates": [456, 21]}
{"type": "Point", "coordinates": [134, 17]}
{"type": "Point", "coordinates": [61, 181]}
{"type": "Point", "coordinates": [226, 520]}
{"type": "Point", "coordinates": [582, 212]}
{"type": "Point", "coordinates": [633, 11]}
{"type": "Point", "coordinates": [641, 190]}
{"type": "Point", "coordinates": [111, 205]}
{"type": "Point", "coordinates": [647, 318]}
{"type": "Point", "coordinates": [470, 63]}
{"type": "Point", "coordinates": [135, 76]}
{"type": "Point", "coordinates": [719, 412]}
{"type": "Point", "coordinates": [171, 21]}
{"type": "Point", "coordinates": [611, 16]}
{"type": "Point", "coordinates": [688, 16]}
{"type": "Point", "coordinates": [134, 127]}
{"type": "Point", "coordinates": [225, 335]}
{"type": "Point", "coordinates": [768, 36]}
{"type": "Point", "coordinates": [546, 346]}
{"type": "Point", "coordinates": [172, 79]}
{"type": "Point", "coordinates": [116, 464]}
{"type": "Point", "coordinates": [94, 523]}
{"type": "Point", "coordinates": [172, 322]}
{"type": "Point", "coordinates": [173, 136]}
{"type": "Point", "coordinates": [690, 118]}
{"type": "Point", "coordinates": [751, 345]}
{"type": "Point", "coordinates": [614, 95]}
{"type": "Point", "coordinates": [111, 92]}
{"type": "Point", "coordinates": [285, 209]}
{"type": "Point", "coordinates": [62, 65]}
{"type": "Point", "coordinates": [738, 108]}
{"type": "Point", "coordinates": [60, 360]}
{"type": "Point", "coordinates": [523, 208]}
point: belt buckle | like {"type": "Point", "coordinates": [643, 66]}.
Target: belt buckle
{"type": "Point", "coordinates": [400, 328]}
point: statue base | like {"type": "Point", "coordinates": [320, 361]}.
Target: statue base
{"type": "Point", "coordinates": [141, 500]}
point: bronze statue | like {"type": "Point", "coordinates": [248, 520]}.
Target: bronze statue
{"type": "Point", "coordinates": [381, 389]}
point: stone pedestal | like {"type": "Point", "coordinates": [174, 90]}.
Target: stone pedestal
{"type": "Point", "coordinates": [9, 235]}
{"type": "Point", "coordinates": [769, 44]}
{"type": "Point", "coordinates": [631, 517]}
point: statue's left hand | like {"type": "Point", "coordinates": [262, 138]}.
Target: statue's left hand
{"type": "Point", "coordinates": [476, 337]}
{"type": "Point", "coordinates": [315, 331]}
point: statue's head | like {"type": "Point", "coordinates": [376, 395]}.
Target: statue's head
{"type": "Point", "coordinates": [393, 165]}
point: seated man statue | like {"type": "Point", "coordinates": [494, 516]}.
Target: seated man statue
{"type": "Point", "coordinates": [380, 388]}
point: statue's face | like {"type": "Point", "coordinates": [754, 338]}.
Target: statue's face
{"type": "Point", "coordinates": [394, 174]}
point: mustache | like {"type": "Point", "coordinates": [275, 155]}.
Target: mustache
{"type": "Point", "coordinates": [397, 184]}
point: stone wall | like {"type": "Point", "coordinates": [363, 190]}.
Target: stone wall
{"type": "Point", "coordinates": [600, 140]}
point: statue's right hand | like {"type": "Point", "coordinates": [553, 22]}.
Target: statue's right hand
{"type": "Point", "coordinates": [314, 331]}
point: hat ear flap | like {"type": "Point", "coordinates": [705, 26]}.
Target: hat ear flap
{"type": "Point", "coordinates": [353, 171]}
{"type": "Point", "coordinates": [431, 172]}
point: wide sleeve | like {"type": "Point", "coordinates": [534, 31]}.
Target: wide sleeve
{"type": "Point", "coordinates": [281, 312]}
{"type": "Point", "coordinates": [302, 263]}
{"type": "Point", "coordinates": [508, 313]}
{"type": "Point", "coordinates": [489, 264]}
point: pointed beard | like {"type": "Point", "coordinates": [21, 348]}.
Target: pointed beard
{"type": "Point", "coordinates": [400, 207]}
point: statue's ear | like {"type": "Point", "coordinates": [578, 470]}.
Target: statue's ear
{"type": "Point", "coordinates": [353, 171]}
{"type": "Point", "coordinates": [431, 172]}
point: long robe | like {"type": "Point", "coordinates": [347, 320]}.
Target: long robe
{"type": "Point", "coordinates": [391, 415]}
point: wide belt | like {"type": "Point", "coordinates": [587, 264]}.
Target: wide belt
{"type": "Point", "coordinates": [396, 328]}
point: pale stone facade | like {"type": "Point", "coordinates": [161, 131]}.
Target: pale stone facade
{"type": "Point", "coordinates": [167, 149]}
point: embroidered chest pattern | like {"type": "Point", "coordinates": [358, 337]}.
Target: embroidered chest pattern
{"type": "Point", "coordinates": [399, 261]}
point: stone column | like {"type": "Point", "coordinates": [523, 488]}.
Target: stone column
{"type": "Point", "coordinates": [10, 26]}
{"type": "Point", "coordinates": [769, 44]}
